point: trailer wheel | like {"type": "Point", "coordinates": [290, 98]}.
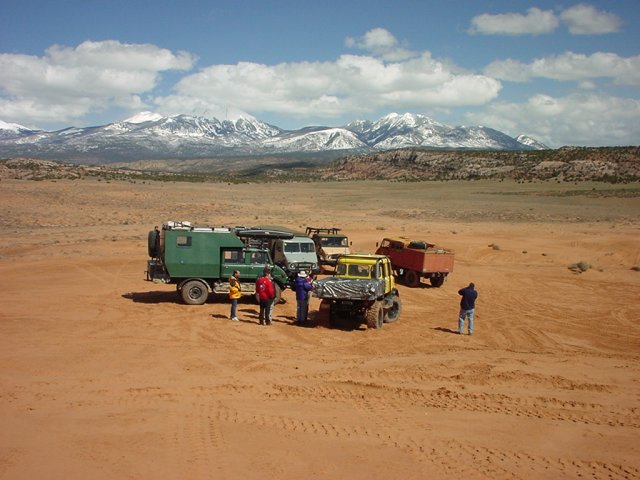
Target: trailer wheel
{"type": "Point", "coordinates": [412, 278]}
{"type": "Point", "coordinates": [194, 292]}
{"type": "Point", "coordinates": [392, 314]}
{"type": "Point", "coordinates": [375, 316]}
{"type": "Point", "coordinates": [437, 280]}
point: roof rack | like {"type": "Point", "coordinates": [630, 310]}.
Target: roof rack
{"type": "Point", "coordinates": [318, 230]}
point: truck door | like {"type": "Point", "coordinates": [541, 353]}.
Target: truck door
{"type": "Point", "coordinates": [255, 261]}
{"type": "Point", "coordinates": [233, 259]}
{"type": "Point", "coordinates": [385, 268]}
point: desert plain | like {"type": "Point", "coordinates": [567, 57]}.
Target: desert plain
{"type": "Point", "coordinates": [104, 375]}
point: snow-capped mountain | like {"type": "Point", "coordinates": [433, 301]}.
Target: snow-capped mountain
{"type": "Point", "coordinates": [532, 142]}
{"type": "Point", "coordinates": [13, 130]}
{"type": "Point", "coordinates": [151, 136]}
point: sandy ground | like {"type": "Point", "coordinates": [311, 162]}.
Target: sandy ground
{"type": "Point", "coordinates": [104, 375]}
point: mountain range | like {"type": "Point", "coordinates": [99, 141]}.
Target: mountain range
{"type": "Point", "coordinates": [148, 136]}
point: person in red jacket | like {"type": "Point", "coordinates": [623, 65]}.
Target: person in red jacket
{"type": "Point", "coordinates": [265, 293]}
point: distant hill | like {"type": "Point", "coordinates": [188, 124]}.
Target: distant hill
{"type": "Point", "coordinates": [608, 164]}
{"type": "Point", "coordinates": [611, 164]}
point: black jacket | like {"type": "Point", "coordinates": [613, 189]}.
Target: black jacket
{"type": "Point", "coordinates": [468, 300]}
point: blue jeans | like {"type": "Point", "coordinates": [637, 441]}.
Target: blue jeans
{"type": "Point", "coordinates": [303, 308]}
{"type": "Point", "coordinates": [469, 315]}
{"type": "Point", "coordinates": [234, 307]}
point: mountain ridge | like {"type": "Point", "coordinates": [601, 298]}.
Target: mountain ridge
{"type": "Point", "coordinates": [148, 136]}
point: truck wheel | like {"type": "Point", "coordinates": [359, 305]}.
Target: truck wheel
{"type": "Point", "coordinates": [392, 314]}
{"type": "Point", "coordinates": [375, 316]}
{"type": "Point", "coordinates": [412, 278]}
{"type": "Point", "coordinates": [437, 281]}
{"type": "Point", "coordinates": [194, 292]}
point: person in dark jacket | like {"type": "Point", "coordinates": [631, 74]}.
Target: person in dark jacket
{"type": "Point", "coordinates": [303, 288]}
{"type": "Point", "coordinates": [467, 307]}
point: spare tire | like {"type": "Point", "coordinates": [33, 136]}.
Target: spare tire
{"type": "Point", "coordinates": [153, 244]}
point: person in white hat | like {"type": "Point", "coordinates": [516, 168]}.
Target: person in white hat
{"type": "Point", "coordinates": [302, 288]}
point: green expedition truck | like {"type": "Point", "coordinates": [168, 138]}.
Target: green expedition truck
{"type": "Point", "coordinates": [200, 260]}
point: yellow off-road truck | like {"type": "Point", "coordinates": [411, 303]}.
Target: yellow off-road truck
{"type": "Point", "coordinates": [362, 290]}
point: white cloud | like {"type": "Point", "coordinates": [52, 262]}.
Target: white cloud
{"type": "Point", "coordinates": [581, 19]}
{"type": "Point", "coordinates": [348, 86]}
{"type": "Point", "coordinates": [570, 66]}
{"type": "Point", "coordinates": [535, 22]}
{"type": "Point", "coordinates": [68, 83]}
{"type": "Point", "coordinates": [584, 19]}
{"type": "Point", "coordinates": [579, 119]}
{"type": "Point", "coordinates": [380, 43]}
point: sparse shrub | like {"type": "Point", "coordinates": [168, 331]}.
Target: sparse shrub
{"type": "Point", "coordinates": [636, 268]}
{"type": "Point", "coordinates": [494, 246]}
{"type": "Point", "coordinates": [579, 267]}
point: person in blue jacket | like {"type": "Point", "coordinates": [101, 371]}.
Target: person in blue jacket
{"type": "Point", "coordinates": [467, 307]}
{"type": "Point", "coordinates": [303, 289]}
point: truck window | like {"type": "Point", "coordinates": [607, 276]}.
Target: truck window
{"type": "Point", "coordinates": [233, 256]}
{"type": "Point", "coordinates": [359, 271]}
{"type": "Point", "coordinates": [183, 241]}
{"type": "Point", "coordinates": [307, 247]}
{"type": "Point", "coordinates": [259, 258]}
{"type": "Point", "coordinates": [291, 247]}
{"type": "Point", "coordinates": [341, 269]}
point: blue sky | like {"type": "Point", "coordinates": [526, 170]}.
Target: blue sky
{"type": "Point", "coordinates": [563, 73]}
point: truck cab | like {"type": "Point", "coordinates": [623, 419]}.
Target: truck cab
{"type": "Point", "coordinates": [295, 255]}
{"type": "Point", "coordinates": [329, 243]}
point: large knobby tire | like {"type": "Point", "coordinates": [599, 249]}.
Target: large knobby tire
{"type": "Point", "coordinates": [411, 278]}
{"type": "Point", "coordinates": [437, 281]}
{"type": "Point", "coordinates": [392, 314]}
{"type": "Point", "coordinates": [375, 316]}
{"type": "Point", "coordinates": [194, 292]}
{"type": "Point", "coordinates": [153, 244]}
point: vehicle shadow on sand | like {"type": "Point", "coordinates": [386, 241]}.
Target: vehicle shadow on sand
{"type": "Point", "coordinates": [152, 297]}
{"type": "Point", "coordinates": [159, 296]}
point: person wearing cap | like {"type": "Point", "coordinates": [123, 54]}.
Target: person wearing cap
{"type": "Point", "coordinates": [234, 294]}
{"type": "Point", "coordinates": [303, 288]}
{"type": "Point", "coordinates": [265, 293]}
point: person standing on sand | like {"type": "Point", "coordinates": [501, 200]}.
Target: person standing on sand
{"type": "Point", "coordinates": [234, 294]}
{"type": "Point", "coordinates": [302, 287]}
{"type": "Point", "coordinates": [467, 307]}
{"type": "Point", "coordinates": [265, 293]}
